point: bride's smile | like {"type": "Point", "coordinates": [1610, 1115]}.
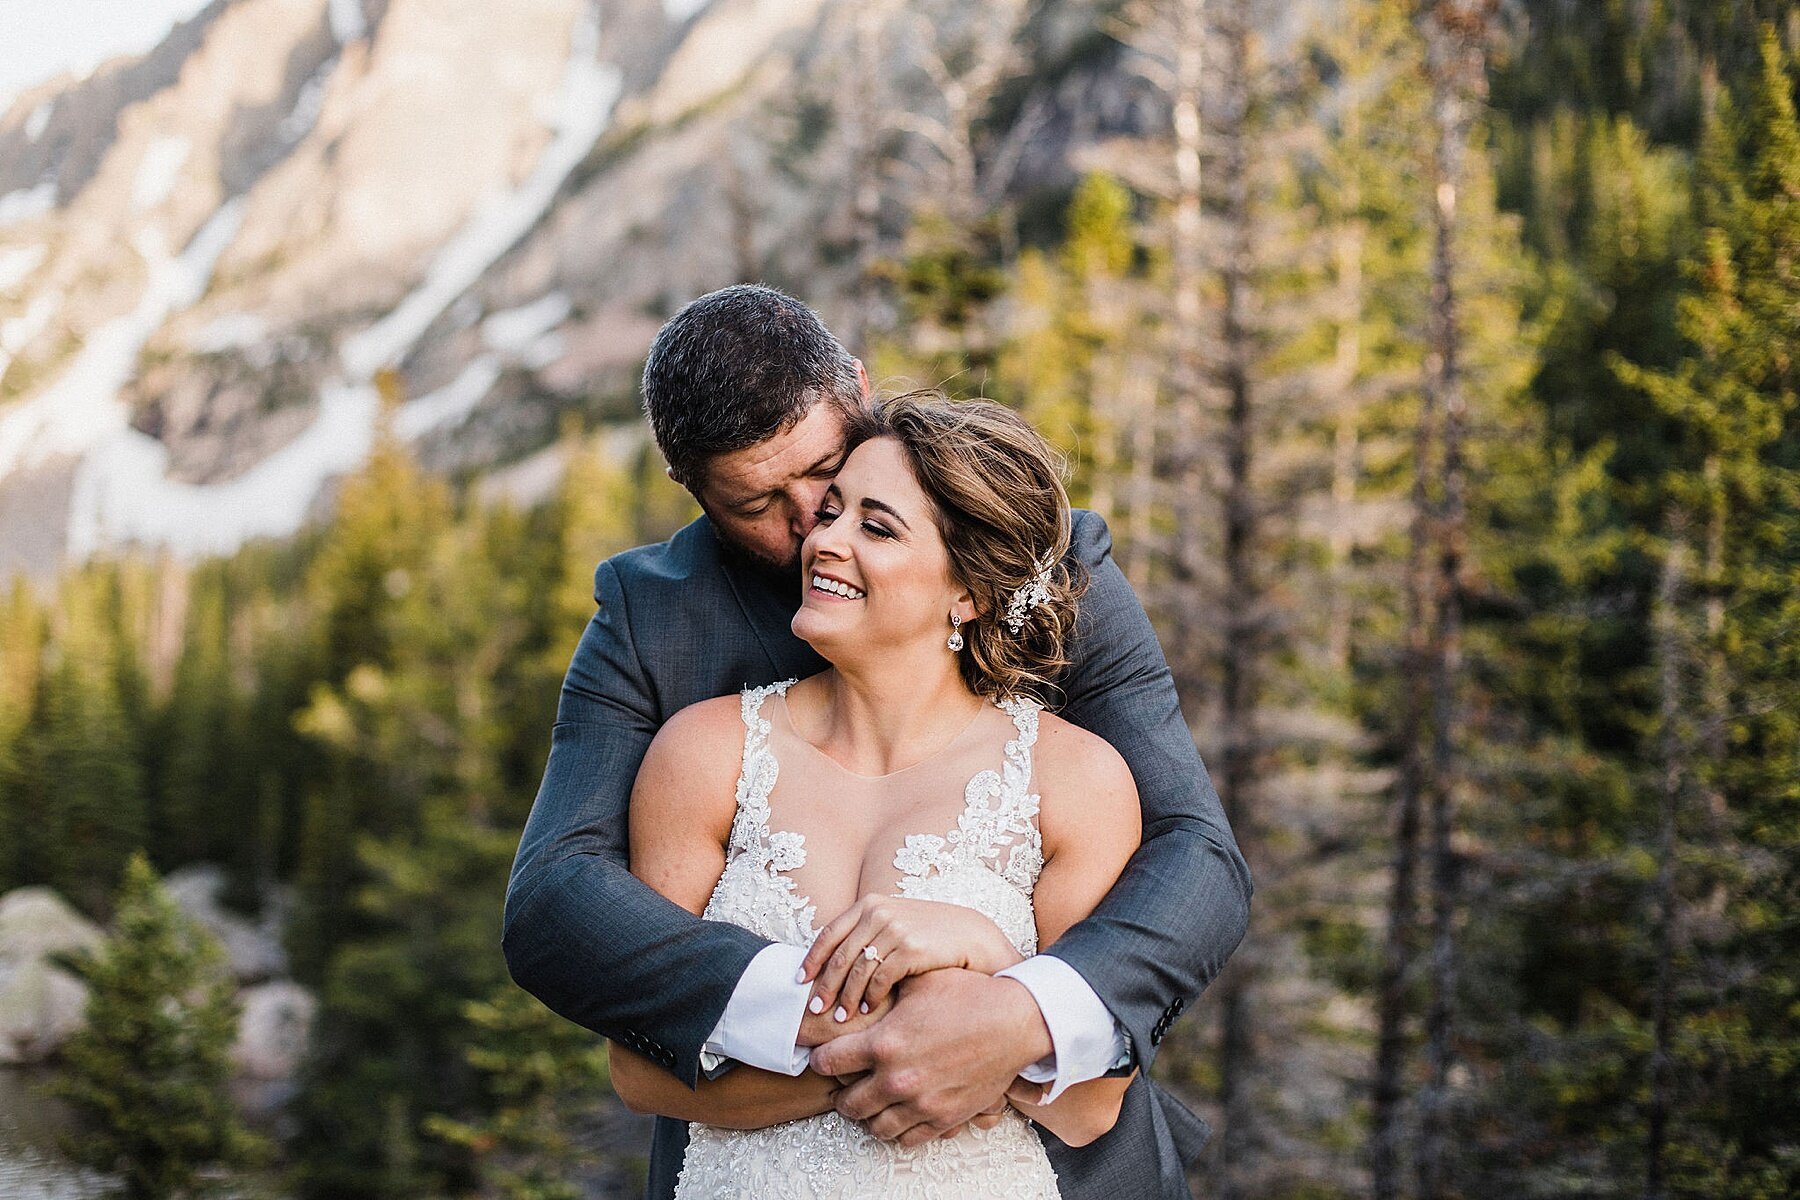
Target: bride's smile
{"type": "Point", "coordinates": [877, 572]}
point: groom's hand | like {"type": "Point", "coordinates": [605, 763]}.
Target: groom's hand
{"type": "Point", "coordinates": [954, 1043]}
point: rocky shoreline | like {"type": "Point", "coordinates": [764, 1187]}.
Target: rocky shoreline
{"type": "Point", "coordinates": [42, 1001]}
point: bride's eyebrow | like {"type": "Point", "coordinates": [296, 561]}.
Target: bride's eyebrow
{"type": "Point", "coordinates": [890, 510]}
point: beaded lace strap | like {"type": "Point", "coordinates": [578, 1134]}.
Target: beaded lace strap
{"type": "Point", "coordinates": [1024, 714]}
{"type": "Point", "coordinates": [1019, 805]}
{"type": "Point", "coordinates": [756, 779]}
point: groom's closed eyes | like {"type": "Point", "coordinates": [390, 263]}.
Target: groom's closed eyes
{"type": "Point", "coordinates": [824, 467]}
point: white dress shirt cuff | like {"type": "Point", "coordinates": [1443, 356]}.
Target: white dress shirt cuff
{"type": "Point", "coordinates": [1085, 1041]}
{"type": "Point", "coordinates": [761, 1022]}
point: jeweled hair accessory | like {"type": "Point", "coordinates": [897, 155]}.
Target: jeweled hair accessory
{"type": "Point", "coordinates": [1032, 595]}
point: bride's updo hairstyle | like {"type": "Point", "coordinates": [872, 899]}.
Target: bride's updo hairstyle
{"type": "Point", "coordinates": [997, 495]}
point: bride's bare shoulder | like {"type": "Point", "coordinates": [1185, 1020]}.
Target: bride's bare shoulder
{"type": "Point", "coordinates": [1069, 749]}
{"type": "Point", "coordinates": [694, 758]}
{"type": "Point", "coordinates": [707, 723]}
{"type": "Point", "coordinates": [1079, 776]}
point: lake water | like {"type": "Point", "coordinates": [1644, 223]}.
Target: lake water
{"type": "Point", "coordinates": [30, 1168]}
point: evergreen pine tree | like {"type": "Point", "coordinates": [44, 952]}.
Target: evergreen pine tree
{"type": "Point", "coordinates": [22, 632]}
{"type": "Point", "coordinates": [198, 797]}
{"type": "Point", "coordinates": [389, 518]}
{"type": "Point", "coordinates": [388, 1046]}
{"type": "Point", "coordinates": [86, 774]}
{"type": "Point", "coordinates": [1734, 403]}
{"type": "Point", "coordinates": [147, 1077]}
{"type": "Point", "coordinates": [544, 1075]}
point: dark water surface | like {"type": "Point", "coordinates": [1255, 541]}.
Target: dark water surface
{"type": "Point", "coordinates": [30, 1167]}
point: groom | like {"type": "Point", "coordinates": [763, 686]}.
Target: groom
{"type": "Point", "coordinates": [744, 390]}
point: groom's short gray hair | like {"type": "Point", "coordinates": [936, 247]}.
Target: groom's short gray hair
{"type": "Point", "coordinates": [736, 367]}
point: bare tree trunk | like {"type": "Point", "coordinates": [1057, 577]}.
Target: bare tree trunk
{"type": "Point", "coordinates": [1674, 773]}
{"type": "Point", "coordinates": [1244, 635]}
{"type": "Point", "coordinates": [1141, 417]}
{"type": "Point", "coordinates": [1189, 27]}
{"type": "Point", "coordinates": [1346, 361]}
{"type": "Point", "coordinates": [742, 210]}
{"type": "Point", "coordinates": [1183, 22]}
{"type": "Point", "coordinates": [1455, 41]}
{"type": "Point", "coordinates": [1716, 679]}
{"type": "Point", "coordinates": [1397, 958]}
{"type": "Point", "coordinates": [168, 625]}
{"type": "Point", "coordinates": [863, 134]}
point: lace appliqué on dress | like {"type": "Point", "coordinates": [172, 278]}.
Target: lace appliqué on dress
{"type": "Point", "coordinates": [827, 1157]}
{"type": "Point", "coordinates": [999, 814]}
{"type": "Point", "coordinates": [754, 893]}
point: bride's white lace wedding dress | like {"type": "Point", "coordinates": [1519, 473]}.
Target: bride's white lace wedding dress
{"type": "Point", "coordinates": [989, 861]}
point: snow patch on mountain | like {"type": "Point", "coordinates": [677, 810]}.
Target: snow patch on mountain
{"type": "Point", "coordinates": [513, 331]}
{"type": "Point", "coordinates": [347, 20]}
{"type": "Point", "coordinates": [158, 170]}
{"type": "Point", "coordinates": [82, 409]}
{"type": "Point", "coordinates": [123, 493]}
{"type": "Point", "coordinates": [27, 203]}
{"type": "Point", "coordinates": [17, 263]}
{"type": "Point", "coordinates": [450, 404]}
{"type": "Point", "coordinates": [38, 121]}
{"type": "Point", "coordinates": [584, 108]}
{"type": "Point", "coordinates": [308, 103]}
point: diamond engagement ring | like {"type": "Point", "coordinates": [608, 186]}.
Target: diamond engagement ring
{"type": "Point", "coordinates": [870, 954]}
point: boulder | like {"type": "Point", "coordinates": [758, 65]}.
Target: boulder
{"type": "Point", "coordinates": [254, 951]}
{"type": "Point", "coordinates": [40, 1007]}
{"type": "Point", "coordinates": [272, 1029]}
{"type": "Point", "coordinates": [36, 922]}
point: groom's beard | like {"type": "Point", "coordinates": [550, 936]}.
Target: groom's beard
{"type": "Point", "coordinates": [782, 577]}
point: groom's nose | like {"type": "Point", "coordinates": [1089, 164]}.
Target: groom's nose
{"type": "Point", "coordinates": [801, 521]}
{"type": "Point", "coordinates": [807, 498]}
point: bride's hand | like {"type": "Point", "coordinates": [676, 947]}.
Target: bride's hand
{"type": "Point", "coordinates": [816, 1030]}
{"type": "Point", "coordinates": [910, 937]}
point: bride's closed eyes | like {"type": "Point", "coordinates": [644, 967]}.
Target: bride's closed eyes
{"type": "Point", "coordinates": [827, 515]}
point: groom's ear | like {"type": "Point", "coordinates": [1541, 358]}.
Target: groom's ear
{"type": "Point", "coordinates": [862, 377]}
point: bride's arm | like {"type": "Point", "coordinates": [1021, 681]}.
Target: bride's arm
{"type": "Point", "coordinates": [742, 1098]}
{"type": "Point", "coordinates": [1091, 823]}
{"type": "Point", "coordinates": [682, 807]}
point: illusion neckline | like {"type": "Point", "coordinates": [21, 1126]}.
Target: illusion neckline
{"type": "Point", "coordinates": [788, 717]}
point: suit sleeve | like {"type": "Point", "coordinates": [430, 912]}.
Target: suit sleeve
{"type": "Point", "coordinates": [581, 933]}
{"type": "Point", "coordinates": [1182, 904]}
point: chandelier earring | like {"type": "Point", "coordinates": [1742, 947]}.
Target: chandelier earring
{"type": "Point", "coordinates": [956, 638]}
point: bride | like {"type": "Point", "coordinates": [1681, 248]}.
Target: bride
{"type": "Point", "coordinates": [916, 794]}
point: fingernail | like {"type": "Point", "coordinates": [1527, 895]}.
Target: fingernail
{"type": "Point", "coordinates": [865, 1006]}
{"type": "Point", "coordinates": [841, 1014]}
{"type": "Point", "coordinates": [816, 1004]}
{"type": "Point", "coordinates": [800, 975]}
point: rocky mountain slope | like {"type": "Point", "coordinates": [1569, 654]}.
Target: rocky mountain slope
{"type": "Point", "coordinates": [211, 256]}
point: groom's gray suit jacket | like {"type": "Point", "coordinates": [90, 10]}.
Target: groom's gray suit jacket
{"type": "Point", "coordinates": [678, 623]}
